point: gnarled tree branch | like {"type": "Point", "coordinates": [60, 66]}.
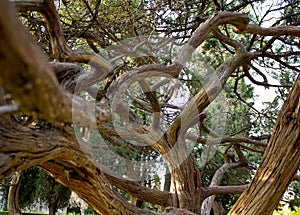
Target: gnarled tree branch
{"type": "Point", "coordinates": [28, 77]}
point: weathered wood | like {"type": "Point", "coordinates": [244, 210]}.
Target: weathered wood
{"type": "Point", "coordinates": [279, 164]}
{"type": "Point", "coordinates": [34, 86]}
{"type": "Point", "coordinates": [27, 75]}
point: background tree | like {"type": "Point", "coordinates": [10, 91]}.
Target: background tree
{"type": "Point", "coordinates": [36, 187]}
{"type": "Point", "coordinates": [107, 106]}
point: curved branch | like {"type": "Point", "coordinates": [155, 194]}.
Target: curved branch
{"type": "Point", "coordinates": [221, 190]}
{"type": "Point", "coordinates": [200, 34]}
{"type": "Point", "coordinates": [208, 93]}
{"type": "Point", "coordinates": [225, 139]}
{"type": "Point", "coordinates": [28, 77]}
{"type": "Point", "coordinates": [103, 198]}
{"type": "Point", "coordinates": [272, 31]}
{"type": "Point", "coordinates": [261, 83]}
{"type": "Point", "coordinates": [225, 39]}
{"type": "Point", "coordinates": [39, 147]}
{"type": "Point", "coordinates": [240, 21]}
{"type": "Point", "coordinates": [207, 204]}
{"type": "Point", "coordinates": [151, 96]}
{"type": "Point", "coordinates": [78, 168]}
{"type": "Point", "coordinates": [162, 198]}
{"type": "Point", "coordinates": [277, 58]}
{"type": "Point", "coordinates": [59, 46]}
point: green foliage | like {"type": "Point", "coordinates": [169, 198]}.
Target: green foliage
{"type": "Point", "coordinates": [51, 191]}
{"type": "Point", "coordinates": [37, 184]}
{"type": "Point", "coordinates": [292, 196]}
{"type": "Point", "coordinates": [286, 210]}
{"type": "Point", "coordinates": [4, 187]}
{"type": "Point", "coordinates": [29, 187]}
{"type": "Point", "coordinates": [110, 21]}
{"type": "Point", "coordinates": [37, 27]}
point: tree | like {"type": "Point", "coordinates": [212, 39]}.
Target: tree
{"type": "Point", "coordinates": [36, 185]}
{"type": "Point", "coordinates": [57, 196]}
{"type": "Point", "coordinates": [103, 97]}
{"type": "Point", "coordinates": [33, 186]}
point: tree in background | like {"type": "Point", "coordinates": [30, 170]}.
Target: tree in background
{"type": "Point", "coordinates": [57, 197]}
{"type": "Point", "coordinates": [37, 187]}
{"type": "Point", "coordinates": [128, 110]}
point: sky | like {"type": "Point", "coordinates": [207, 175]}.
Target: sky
{"type": "Point", "coordinates": [263, 94]}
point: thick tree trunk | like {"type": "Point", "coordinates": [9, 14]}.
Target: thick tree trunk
{"type": "Point", "coordinates": [187, 185]}
{"type": "Point", "coordinates": [279, 164]}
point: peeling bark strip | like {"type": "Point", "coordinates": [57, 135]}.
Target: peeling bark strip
{"type": "Point", "coordinates": [279, 164]}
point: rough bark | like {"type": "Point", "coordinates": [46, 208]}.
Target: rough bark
{"type": "Point", "coordinates": [279, 164]}
{"type": "Point", "coordinates": [13, 195]}
{"type": "Point", "coordinates": [186, 175]}
{"type": "Point", "coordinates": [208, 202]}
{"type": "Point", "coordinates": [34, 86]}
{"type": "Point", "coordinates": [188, 192]}
{"type": "Point", "coordinates": [34, 90]}
{"type": "Point", "coordinates": [72, 167]}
